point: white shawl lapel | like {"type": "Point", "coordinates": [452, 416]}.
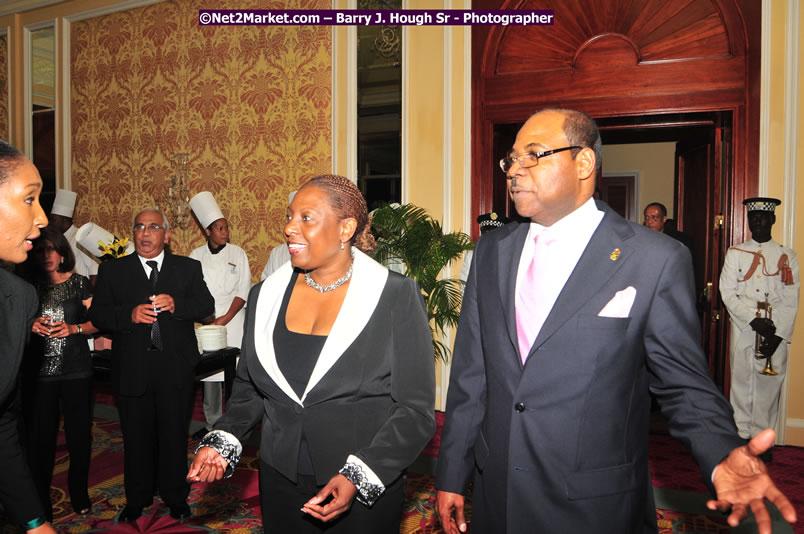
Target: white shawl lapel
{"type": "Point", "coordinates": [362, 296]}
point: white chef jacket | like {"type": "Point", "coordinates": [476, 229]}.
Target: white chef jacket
{"type": "Point", "coordinates": [227, 276]}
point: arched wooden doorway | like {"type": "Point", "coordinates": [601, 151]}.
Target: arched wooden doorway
{"type": "Point", "coordinates": [622, 61]}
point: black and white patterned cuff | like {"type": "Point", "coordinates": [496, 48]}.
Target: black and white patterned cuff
{"type": "Point", "coordinates": [368, 484]}
{"type": "Point", "coordinates": [226, 445]}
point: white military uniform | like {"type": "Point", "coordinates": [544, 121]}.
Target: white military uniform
{"type": "Point", "coordinates": [280, 254]}
{"type": "Point", "coordinates": [755, 397]}
{"type": "Point", "coordinates": [467, 264]}
{"type": "Point", "coordinates": [278, 257]}
{"type": "Point", "coordinates": [85, 264]}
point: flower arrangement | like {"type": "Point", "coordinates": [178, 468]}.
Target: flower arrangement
{"type": "Point", "coordinates": [115, 249]}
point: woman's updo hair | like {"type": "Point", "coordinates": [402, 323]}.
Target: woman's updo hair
{"type": "Point", "coordinates": [347, 201]}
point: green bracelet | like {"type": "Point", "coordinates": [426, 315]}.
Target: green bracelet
{"type": "Point", "coordinates": [34, 523]}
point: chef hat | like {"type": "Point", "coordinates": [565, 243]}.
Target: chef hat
{"type": "Point", "coordinates": [64, 204]}
{"type": "Point", "coordinates": [205, 208]}
{"type": "Point", "coordinates": [89, 235]}
{"type": "Point", "coordinates": [761, 204]}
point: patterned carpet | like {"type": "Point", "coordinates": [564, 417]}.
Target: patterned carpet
{"type": "Point", "coordinates": [232, 506]}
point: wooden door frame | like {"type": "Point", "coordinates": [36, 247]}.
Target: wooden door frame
{"type": "Point", "coordinates": [499, 98]}
{"type": "Point", "coordinates": [634, 176]}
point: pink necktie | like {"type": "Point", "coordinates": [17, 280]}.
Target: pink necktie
{"type": "Point", "coordinates": [531, 311]}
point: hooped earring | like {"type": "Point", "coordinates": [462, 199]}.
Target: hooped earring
{"type": "Point", "coordinates": [341, 245]}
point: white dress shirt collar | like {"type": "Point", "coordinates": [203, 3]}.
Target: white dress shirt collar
{"type": "Point", "coordinates": [569, 238]}
{"type": "Point", "coordinates": [159, 259]}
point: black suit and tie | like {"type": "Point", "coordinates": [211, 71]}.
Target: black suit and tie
{"type": "Point", "coordinates": [156, 335]}
{"type": "Point", "coordinates": [153, 368]}
{"type": "Point", "coordinates": [560, 443]}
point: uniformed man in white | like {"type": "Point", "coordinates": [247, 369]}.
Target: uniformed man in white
{"type": "Point", "coordinates": [279, 254]}
{"type": "Point", "coordinates": [228, 277]}
{"type": "Point", "coordinates": [756, 271]}
{"type": "Point", "coordinates": [61, 218]}
{"type": "Point", "coordinates": [486, 222]}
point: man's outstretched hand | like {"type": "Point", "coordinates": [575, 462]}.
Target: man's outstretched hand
{"type": "Point", "coordinates": [742, 481]}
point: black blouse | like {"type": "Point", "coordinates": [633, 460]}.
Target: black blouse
{"type": "Point", "coordinates": [68, 357]}
{"type": "Point", "coordinates": [296, 356]}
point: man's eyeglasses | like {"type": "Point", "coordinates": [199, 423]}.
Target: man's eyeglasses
{"type": "Point", "coordinates": [139, 227]}
{"type": "Point", "coordinates": [531, 159]}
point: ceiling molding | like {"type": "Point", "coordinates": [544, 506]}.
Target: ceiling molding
{"type": "Point", "coordinates": [9, 7]}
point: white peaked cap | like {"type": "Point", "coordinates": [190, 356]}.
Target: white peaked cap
{"type": "Point", "coordinates": [64, 204]}
{"type": "Point", "coordinates": [205, 208]}
{"type": "Point", "coordinates": [89, 235]}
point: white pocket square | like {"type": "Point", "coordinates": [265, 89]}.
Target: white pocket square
{"type": "Point", "coordinates": [620, 305]}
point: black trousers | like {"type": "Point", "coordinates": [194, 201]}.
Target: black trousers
{"type": "Point", "coordinates": [155, 427]}
{"type": "Point", "coordinates": [44, 402]}
{"type": "Point", "coordinates": [281, 501]}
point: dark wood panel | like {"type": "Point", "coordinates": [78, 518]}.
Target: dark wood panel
{"type": "Point", "coordinates": [657, 31]}
{"type": "Point", "coordinates": [620, 58]}
{"type": "Point", "coordinates": [618, 106]}
{"type": "Point", "coordinates": [606, 71]}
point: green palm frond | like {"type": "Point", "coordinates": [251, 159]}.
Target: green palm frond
{"type": "Point", "coordinates": [408, 235]}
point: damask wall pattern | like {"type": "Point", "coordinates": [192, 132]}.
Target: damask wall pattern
{"type": "Point", "coordinates": [250, 104]}
{"type": "Point", "coordinates": [4, 130]}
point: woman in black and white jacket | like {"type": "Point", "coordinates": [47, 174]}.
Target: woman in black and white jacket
{"type": "Point", "coordinates": [337, 364]}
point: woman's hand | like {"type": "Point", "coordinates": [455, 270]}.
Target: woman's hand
{"type": "Point", "coordinates": [45, 528]}
{"type": "Point", "coordinates": [41, 326]}
{"type": "Point", "coordinates": [59, 329]}
{"type": "Point", "coordinates": [343, 493]}
{"type": "Point", "coordinates": [207, 466]}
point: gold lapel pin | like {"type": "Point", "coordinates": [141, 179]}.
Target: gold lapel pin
{"type": "Point", "coordinates": [614, 254]}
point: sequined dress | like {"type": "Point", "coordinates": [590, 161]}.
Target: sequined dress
{"type": "Point", "coordinates": [68, 357]}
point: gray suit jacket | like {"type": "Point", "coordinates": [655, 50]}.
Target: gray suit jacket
{"type": "Point", "coordinates": [561, 443]}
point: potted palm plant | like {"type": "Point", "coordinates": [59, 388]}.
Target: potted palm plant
{"type": "Point", "coordinates": [411, 241]}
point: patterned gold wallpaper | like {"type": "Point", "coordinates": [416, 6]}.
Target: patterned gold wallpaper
{"type": "Point", "coordinates": [250, 104]}
{"type": "Point", "coordinates": [4, 87]}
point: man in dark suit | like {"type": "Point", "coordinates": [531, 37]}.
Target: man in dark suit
{"type": "Point", "coordinates": [656, 219]}
{"type": "Point", "coordinates": [149, 301]}
{"type": "Point", "coordinates": [579, 317]}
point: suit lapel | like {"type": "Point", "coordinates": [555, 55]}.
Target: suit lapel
{"type": "Point", "coordinates": [165, 274]}
{"type": "Point", "coordinates": [269, 300]}
{"type": "Point", "coordinates": [508, 264]}
{"type": "Point", "coordinates": [138, 282]}
{"type": "Point", "coordinates": [596, 266]}
{"type": "Point", "coordinates": [357, 308]}
{"type": "Point", "coordinates": [12, 330]}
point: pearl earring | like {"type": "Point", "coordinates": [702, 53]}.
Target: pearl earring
{"type": "Point", "coordinates": [341, 245]}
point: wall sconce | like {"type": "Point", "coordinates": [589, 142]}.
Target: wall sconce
{"type": "Point", "coordinates": [176, 204]}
